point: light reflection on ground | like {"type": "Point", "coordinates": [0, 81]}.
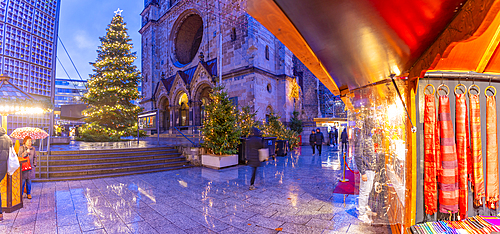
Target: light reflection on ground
{"type": "Point", "coordinates": [294, 194]}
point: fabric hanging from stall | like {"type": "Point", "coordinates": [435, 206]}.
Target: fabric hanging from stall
{"type": "Point", "coordinates": [462, 143]}
{"type": "Point", "coordinates": [448, 190]}
{"type": "Point", "coordinates": [477, 180]}
{"type": "Point", "coordinates": [492, 192]}
{"type": "Point", "coordinates": [430, 173]}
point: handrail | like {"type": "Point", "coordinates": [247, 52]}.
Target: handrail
{"type": "Point", "coordinates": [40, 154]}
{"type": "Point", "coordinates": [194, 145]}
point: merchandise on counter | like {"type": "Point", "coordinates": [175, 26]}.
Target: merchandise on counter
{"type": "Point", "coordinates": [448, 190]}
{"type": "Point", "coordinates": [477, 180]}
{"type": "Point", "coordinates": [492, 192]}
{"type": "Point", "coordinates": [462, 143]}
{"type": "Point", "coordinates": [430, 173]}
{"type": "Point", "coordinates": [476, 224]}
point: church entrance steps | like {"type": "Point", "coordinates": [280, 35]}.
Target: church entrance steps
{"type": "Point", "coordinates": [93, 164]}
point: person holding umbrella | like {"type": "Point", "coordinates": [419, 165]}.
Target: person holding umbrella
{"type": "Point", "coordinates": [27, 151]}
{"type": "Point", "coordinates": [5, 144]}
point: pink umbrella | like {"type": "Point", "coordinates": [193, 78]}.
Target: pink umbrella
{"type": "Point", "coordinates": [34, 133]}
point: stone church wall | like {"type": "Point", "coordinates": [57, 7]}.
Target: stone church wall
{"type": "Point", "coordinates": [248, 67]}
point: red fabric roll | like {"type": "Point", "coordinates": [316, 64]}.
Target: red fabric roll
{"type": "Point", "coordinates": [430, 173]}
{"type": "Point", "coordinates": [462, 142]}
{"type": "Point", "coordinates": [491, 153]}
{"type": "Point", "coordinates": [448, 186]}
{"type": "Point", "coordinates": [476, 149]}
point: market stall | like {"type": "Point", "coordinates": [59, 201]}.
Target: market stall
{"type": "Point", "coordinates": [368, 50]}
{"type": "Point", "coordinates": [16, 101]}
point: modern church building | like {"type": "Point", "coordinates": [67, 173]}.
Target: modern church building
{"type": "Point", "coordinates": [28, 40]}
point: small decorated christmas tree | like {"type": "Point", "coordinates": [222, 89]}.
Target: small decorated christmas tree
{"type": "Point", "coordinates": [246, 120]}
{"type": "Point", "coordinates": [220, 129]}
{"type": "Point", "coordinates": [275, 128]}
{"type": "Point", "coordinates": [112, 87]}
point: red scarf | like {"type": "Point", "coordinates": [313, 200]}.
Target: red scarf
{"type": "Point", "coordinates": [477, 181]}
{"type": "Point", "coordinates": [430, 173]}
{"type": "Point", "coordinates": [448, 188]}
{"type": "Point", "coordinates": [491, 153]}
{"type": "Point", "coordinates": [462, 140]}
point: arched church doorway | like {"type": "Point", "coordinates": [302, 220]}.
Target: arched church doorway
{"type": "Point", "coordinates": [184, 110]}
{"type": "Point", "coordinates": [164, 115]}
{"type": "Point", "coordinates": [202, 97]}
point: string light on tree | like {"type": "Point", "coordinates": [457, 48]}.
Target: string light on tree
{"type": "Point", "coordinates": [113, 85]}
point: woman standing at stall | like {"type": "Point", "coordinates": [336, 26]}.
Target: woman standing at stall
{"type": "Point", "coordinates": [27, 151]}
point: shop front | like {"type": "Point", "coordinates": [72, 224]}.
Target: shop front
{"type": "Point", "coordinates": [421, 90]}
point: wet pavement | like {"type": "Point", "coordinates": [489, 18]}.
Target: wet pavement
{"type": "Point", "coordinates": [293, 195]}
{"type": "Point", "coordinates": [146, 142]}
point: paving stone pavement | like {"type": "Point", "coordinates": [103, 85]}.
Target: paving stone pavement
{"type": "Point", "coordinates": [293, 195]}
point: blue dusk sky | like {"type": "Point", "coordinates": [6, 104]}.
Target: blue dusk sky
{"type": "Point", "coordinates": [82, 22]}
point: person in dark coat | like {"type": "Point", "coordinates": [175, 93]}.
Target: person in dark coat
{"type": "Point", "coordinates": [77, 132]}
{"type": "Point", "coordinates": [330, 137]}
{"type": "Point", "coordinates": [319, 140]}
{"type": "Point", "coordinates": [343, 138]}
{"type": "Point", "coordinates": [5, 144]}
{"type": "Point", "coordinates": [312, 141]}
{"type": "Point", "coordinates": [254, 143]}
{"type": "Point", "coordinates": [335, 136]}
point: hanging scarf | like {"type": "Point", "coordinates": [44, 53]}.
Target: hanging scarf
{"type": "Point", "coordinates": [491, 152]}
{"type": "Point", "coordinates": [476, 149]}
{"type": "Point", "coordinates": [430, 183]}
{"type": "Point", "coordinates": [462, 142]}
{"type": "Point", "coordinates": [448, 193]}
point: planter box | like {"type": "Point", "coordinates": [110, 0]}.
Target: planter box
{"type": "Point", "coordinates": [219, 161]}
{"type": "Point", "coordinates": [60, 140]}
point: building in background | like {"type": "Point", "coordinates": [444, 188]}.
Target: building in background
{"type": "Point", "coordinates": [69, 91]}
{"type": "Point", "coordinates": [28, 37]}
{"type": "Point", "coordinates": [190, 46]}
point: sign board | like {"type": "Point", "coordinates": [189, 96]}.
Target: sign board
{"type": "Point", "coordinates": [147, 120]}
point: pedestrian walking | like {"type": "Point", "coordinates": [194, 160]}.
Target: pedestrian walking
{"type": "Point", "coordinates": [5, 144]}
{"type": "Point", "coordinates": [335, 136]}
{"type": "Point", "coordinates": [254, 143]}
{"type": "Point", "coordinates": [319, 140]}
{"type": "Point", "coordinates": [312, 141]}
{"type": "Point", "coordinates": [343, 138]}
{"type": "Point", "coordinates": [77, 131]}
{"type": "Point", "coordinates": [364, 156]}
{"type": "Point", "coordinates": [330, 137]}
{"type": "Point", "coordinates": [27, 151]}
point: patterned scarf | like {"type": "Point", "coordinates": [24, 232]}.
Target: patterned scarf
{"type": "Point", "coordinates": [430, 173]}
{"type": "Point", "coordinates": [448, 187]}
{"type": "Point", "coordinates": [491, 153]}
{"type": "Point", "coordinates": [462, 130]}
{"type": "Point", "coordinates": [477, 181]}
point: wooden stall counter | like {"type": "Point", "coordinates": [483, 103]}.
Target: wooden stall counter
{"type": "Point", "coordinates": [10, 187]}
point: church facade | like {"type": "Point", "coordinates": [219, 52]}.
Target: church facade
{"type": "Point", "coordinates": [182, 62]}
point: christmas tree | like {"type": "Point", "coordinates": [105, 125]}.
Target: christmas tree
{"type": "Point", "coordinates": [246, 120]}
{"type": "Point", "coordinates": [220, 130]}
{"type": "Point", "coordinates": [275, 128]}
{"type": "Point", "coordinates": [112, 87]}
{"type": "Point", "coordinates": [296, 123]}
